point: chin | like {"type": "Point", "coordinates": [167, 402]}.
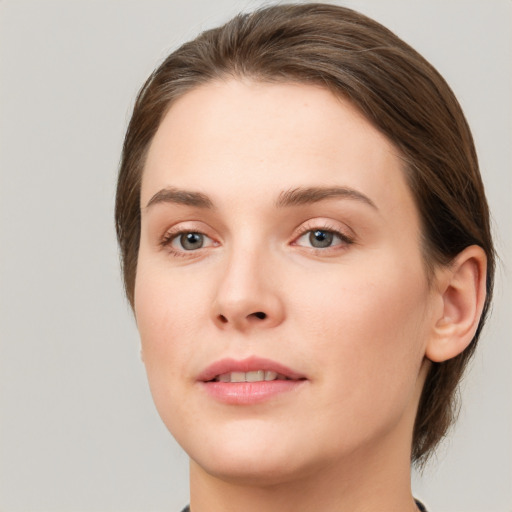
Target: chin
{"type": "Point", "coordinates": [260, 458]}
{"type": "Point", "coordinates": [261, 470]}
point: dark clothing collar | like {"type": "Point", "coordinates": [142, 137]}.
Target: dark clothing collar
{"type": "Point", "coordinates": [420, 506]}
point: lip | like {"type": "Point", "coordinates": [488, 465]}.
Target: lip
{"type": "Point", "coordinates": [249, 364]}
{"type": "Point", "coordinates": [248, 393]}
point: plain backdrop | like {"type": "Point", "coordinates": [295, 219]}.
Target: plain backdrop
{"type": "Point", "coordinates": [78, 430]}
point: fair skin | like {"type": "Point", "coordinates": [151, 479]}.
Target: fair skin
{"type": "Point", "coordinates": [276, 223]}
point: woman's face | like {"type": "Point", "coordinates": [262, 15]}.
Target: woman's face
{"type": "Point", "coordinates": [280, 239]}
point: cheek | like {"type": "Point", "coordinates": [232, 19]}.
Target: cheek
{"type": "Point", "coordinates": [167, 314]}
{"type": "Point", "coordinates": [370, 331]}
{"type": "Point", "coordinates": [165, 309]}
{"type": "Point", "coordinates": [371, 305]}
{"type": "Point", "coordinates": [165, 299]}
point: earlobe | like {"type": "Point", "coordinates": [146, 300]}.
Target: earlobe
{"type": "Point", "coordinates": [462, 289]}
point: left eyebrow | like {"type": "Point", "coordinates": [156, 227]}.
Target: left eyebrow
{"type": "Point", "coordinates": [308, 195]}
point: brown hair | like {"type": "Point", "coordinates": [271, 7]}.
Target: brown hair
{"type": "Point", "coordinates": [397, 90]}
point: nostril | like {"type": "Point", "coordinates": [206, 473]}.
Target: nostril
{"type": "Point", "coordinates": [257, 315]}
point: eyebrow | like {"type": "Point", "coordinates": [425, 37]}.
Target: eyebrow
{"type": "Point", "coordinates": [309, 195]}
{"type": "Point", "coordinates": [178, 196]}
{"type": "Point", "coordinates": [292, 197]}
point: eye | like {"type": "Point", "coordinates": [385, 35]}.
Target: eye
{"type": "Point", "coordinates": [189, 241]}
{"type": "Point", "coordinates": [322, 239]}
{"type": "Point", "coordinates": [186, 241]}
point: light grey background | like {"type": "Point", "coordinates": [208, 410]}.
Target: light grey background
{"type": "Point", "coordinates": [78, 430]}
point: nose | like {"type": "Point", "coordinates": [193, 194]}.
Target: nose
{"type": "Point", "coordinates": [248, 295]}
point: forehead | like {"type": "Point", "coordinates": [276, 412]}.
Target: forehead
{"type": "Point", "coordinates": [242, 137]}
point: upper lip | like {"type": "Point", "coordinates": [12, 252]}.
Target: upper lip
{"type": "Point", "coordinates": [249, 364]}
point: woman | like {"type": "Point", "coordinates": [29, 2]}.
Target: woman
{"type": "Point", "coordinates": [305, 244]}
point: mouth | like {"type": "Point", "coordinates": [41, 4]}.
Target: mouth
{"type": "Point", "coordinates": [251, 369]}
{"type": "Point", "coordinates": [248, 381]}
{"type": "Point", "coordinates": [253, 376]}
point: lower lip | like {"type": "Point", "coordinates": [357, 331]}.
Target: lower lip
{"type": "Point", "coordinates": [248, 393]}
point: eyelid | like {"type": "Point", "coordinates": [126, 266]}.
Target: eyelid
{"type": "Point", "coordinates": [346, 234]}
{"type": "Point", "coordinates": [341, 230]}
{"type": "Point", "coordinates": [174, 232]}
{"type": "Point", "coordinates": [173, 237]}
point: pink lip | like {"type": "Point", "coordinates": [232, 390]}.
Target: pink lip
{"type": "Point", "coordinates": [250, 364]}
{"type": "Point", "coordinates": [247, 393]}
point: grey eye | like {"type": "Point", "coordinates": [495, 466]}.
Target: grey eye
{"type": "Point", "coordinates": [321, 239]}
{"type": "Point", "coordinates": [191, 241]}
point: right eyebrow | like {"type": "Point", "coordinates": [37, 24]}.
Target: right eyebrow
{"type": "Point", "coordinates": [309, 195]}
{"type": "Point", "coordinates": [180, 196]}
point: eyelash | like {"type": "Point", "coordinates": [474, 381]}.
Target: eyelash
{"type": "Point", "coordinates": [170, 236]}
{"type": "Point", "coordinates": [325, 228]}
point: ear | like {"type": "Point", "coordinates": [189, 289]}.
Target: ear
{"type": "Point", "coordinates": [462, 289]}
